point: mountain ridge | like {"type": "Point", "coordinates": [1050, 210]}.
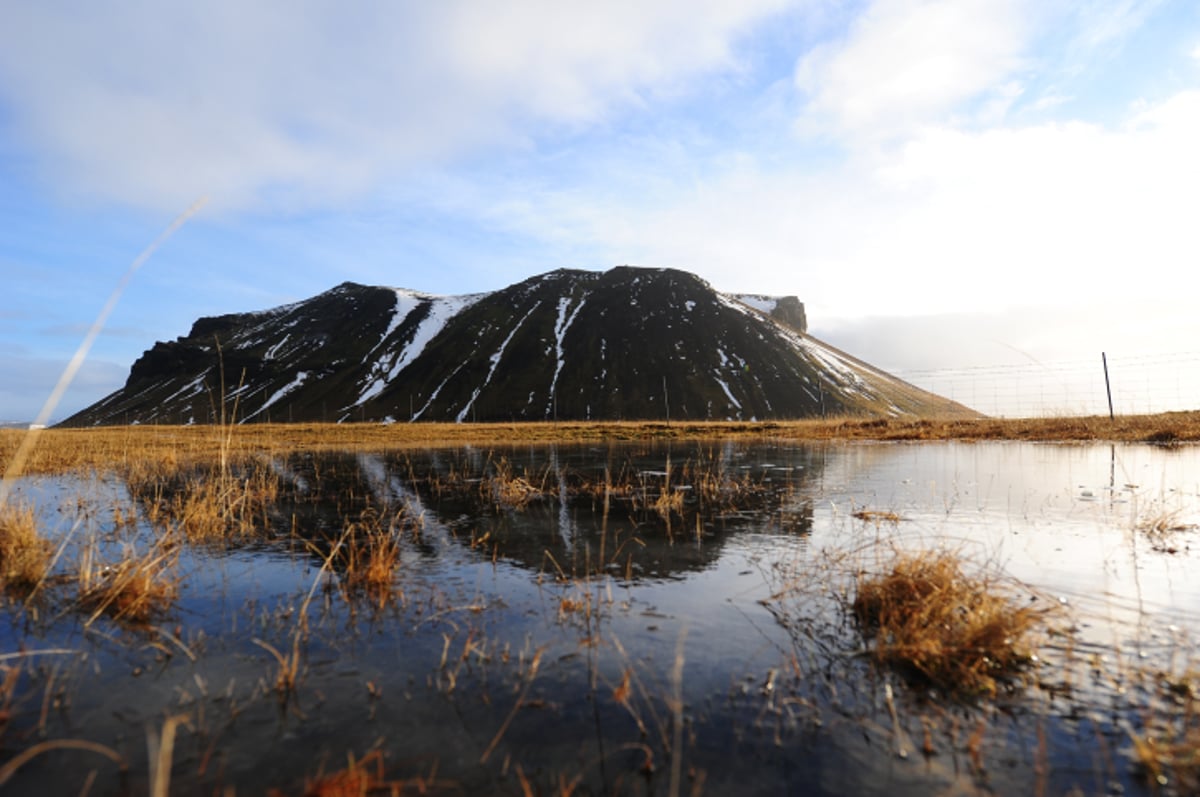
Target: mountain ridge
{"type": "Point", "coordinates": [627, 343]}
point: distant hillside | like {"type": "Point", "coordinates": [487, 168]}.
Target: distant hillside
{"type": "Point", "coordinates": [629, 343]}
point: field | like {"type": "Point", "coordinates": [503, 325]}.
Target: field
{"type": "Point", "coordinates": [992, 606]}
{"type": "Point", "coordinates": [61, 450]}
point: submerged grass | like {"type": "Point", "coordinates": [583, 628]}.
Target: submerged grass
{"type": "Point", "coordinates": [205, 502]}
{"type": "Point", "coordinates": [369, 558]}
{"type": "Point", "coordinates": [139, 587]}
{"type": "Point", "coordinates": [1166, 749]}
{"type": "Point", "coordinates": [962, 634]}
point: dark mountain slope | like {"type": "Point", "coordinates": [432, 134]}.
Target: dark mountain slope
{"type": "Point", "coordinates": [628, 343]}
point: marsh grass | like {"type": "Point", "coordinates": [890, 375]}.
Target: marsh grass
{"type": "Point", "coordinates": [24, 554]}
{"type": "Point", "coordinates": [138, 588]}
{"type": "Point", "coordinates": [506, 490]}
{"type": "Point", "coordinates": [963, 634]}
{"type": "Point", "coordinates": [206, 502]}
{"type": "Point", "coordinates": [877, 516]}
{"type": "Point", "coordinates": [365, 776]}
{"type": "Point", "coordinates": [1166, 750]}
{"type": "Point", "coordinates": [61, 450]}
{"type": "Point", "coordinates": [369, 558]}
{"type": "Point", "coordinates": [1163, 528]}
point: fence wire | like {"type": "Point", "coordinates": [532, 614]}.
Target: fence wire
{"type": "Point", "coordinates": [1140, 385]}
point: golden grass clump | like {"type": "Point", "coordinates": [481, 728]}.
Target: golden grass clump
{"type": "Point", "coordinates": [508, 490]}
{"type": "Point", "coordinates": [670, 500]}
{"type": "Point", "coordinates": [959, 633]}
{"type": "Point", "coordinates": [24, 554]}
{"type": "Point", "coordinates": [1162, 529]}
{"type": "Point", "coordinates": [369, 559]}
{"type": "Point", "coordinates": [1167, 750]}
{"type": "Point", "coordinates": [206, 502]}
{"type": "Point", "coordinates": [358, 779]}
{"type": "Point", "coordinates": [1160, 755]}
{"type": "Point", "coordinates": [136, 589]}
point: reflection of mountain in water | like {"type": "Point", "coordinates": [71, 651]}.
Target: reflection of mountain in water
{"type": "Point", "coordinates": [560, 518]}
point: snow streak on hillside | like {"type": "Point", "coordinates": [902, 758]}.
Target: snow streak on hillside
{"type": "Point", "coordinates": [384, 370]}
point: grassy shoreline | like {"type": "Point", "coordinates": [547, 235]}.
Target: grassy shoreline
{"type": "Point", "coordinates": [62, 450]}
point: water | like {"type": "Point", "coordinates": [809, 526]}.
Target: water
{"type": "Point", "coordinates": [562, 644]}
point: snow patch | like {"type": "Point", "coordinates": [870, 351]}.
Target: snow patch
{"type": "Point", "coordinates": [271, 352]}
{"type": "Point", "coordinates": [560, 331]}
{"type": "Point", "coordinates": [728, 393]}
{"type": "Point", "coordinates": [391, 363]}
{"type": "Point", "coordinates": [495, 361]}
{"type": "Point", "coordinates": [437, 390]}
{"type": "Point", "coordinates": [764, 304]}
{"type": "Point", "coordinates": [278, 394]}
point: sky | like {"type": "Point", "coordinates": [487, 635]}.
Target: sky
{"type": "Point", "coordinates": [947, 185]}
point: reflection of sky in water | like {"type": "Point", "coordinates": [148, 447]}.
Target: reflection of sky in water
{"type": "Point", "coordinates": [1062, 519]}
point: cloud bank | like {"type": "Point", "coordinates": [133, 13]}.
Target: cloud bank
{"type": "Point", "coordinates": [311, 103]}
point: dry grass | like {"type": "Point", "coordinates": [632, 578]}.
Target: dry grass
{"type": "Point", "coordinates": [1167, 749]}
{"type": "Point", "coordinates": [669, 501]}
{"type": "Point", "coordinates": [877, 516]}
{"type": "Point", "coordinates": [368, 559]}
{"type": "Point", "coordinates": [961, 634]}
{"type": "Point", "coordinates": [205, 502]}
{"type": "Point", "coordinates": [504, 489]}
{"type": "Point", "coordinates": [362, 778]}
{"type": "Point", "coordinates": [136, 589]}
{"type": "Point", "coordinates": [62, 450]}
{"type": "Point", "coordinates": [24, 554]}
{"type": "Point", "coordinates": [1163, 528]}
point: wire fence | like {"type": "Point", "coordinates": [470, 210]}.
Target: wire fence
{"type": "Point", "coordinates": [1139, 385]}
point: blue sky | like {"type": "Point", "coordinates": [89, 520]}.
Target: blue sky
{"type": "Point", "coordinates": [944, 183]}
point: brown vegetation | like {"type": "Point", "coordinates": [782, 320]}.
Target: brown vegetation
{"type": "Point", "coordinates": [1167, 749]}
{"type": "Point", "coordinates": [61, 450]}
{"type": "Point", "coordinates": [368, 559]}
{"type": "Point", "coordinates": [960, 633]}
{"type": "Point", "coordinates": [24, 554]}
{"type": "Point", "coordinates": [136, 589]}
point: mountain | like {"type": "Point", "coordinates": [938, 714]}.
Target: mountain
{"type": "Point", "coordinates": [628, 343]}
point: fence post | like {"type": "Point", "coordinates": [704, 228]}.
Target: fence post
{"type": "Point", "coordinates": [1107, 387]}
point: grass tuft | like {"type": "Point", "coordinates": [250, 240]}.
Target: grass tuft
{"type": "Point", "coordinates": [24, 554]}
{"type": "Point", "coordinates": [369, 560]}
{"type": "Point", "coordinates": [137, 589]}
{"type": "Point", "coordinates": [358, 779]}
{"type": "Point", "coordinates": [958, 633]}
{"type": "Point", "coordinates": [1166, 751]}
{"type": "Point", "coordinates": [1162, 529]}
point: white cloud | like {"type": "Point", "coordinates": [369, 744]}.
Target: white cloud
{"type": "Point", "coordinates": [155, 104]}
{"type": "Point", "coordinates": [1068, 215]}
{"type": "Point", "coordinates": [905, 63]}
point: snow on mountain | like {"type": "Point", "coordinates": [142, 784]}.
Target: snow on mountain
{"type": "Point", "coordinates": [627, 343]}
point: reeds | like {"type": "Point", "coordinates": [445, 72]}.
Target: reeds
{"type": "Point", "coordinates": [136, 589]}
{"type": "Point", "coordinates": [24, 554]}
{"type": "Point", "coordinates": [962, 634]}
{"type": "Point", "coordinates": [506, 490]}
{"type": "Point", "coordinates": [368, 560]}
{"type": "Point", "coordinates": [205, 502]}
{"type": "Point", "coordinates": [1162, 529]}
{"type": "Point", "coordinates": [1167, 749]}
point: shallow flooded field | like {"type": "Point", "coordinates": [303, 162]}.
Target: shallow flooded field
{"type": "Point", "coordinates": [629, 618]}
